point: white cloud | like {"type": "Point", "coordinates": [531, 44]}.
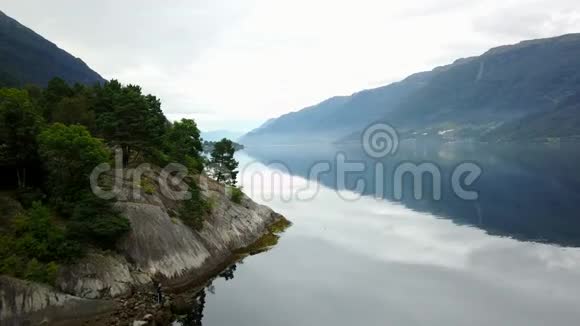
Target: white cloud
{"type": "Point", "coordinates": [232, 64]}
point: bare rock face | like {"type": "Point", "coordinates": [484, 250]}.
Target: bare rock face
{"type": "Point", "coordinates": [18, 297]}
{"type": "Point", "coordinates": [100, 275]}
{"type": "Point", "coordinates": [233, 226]}
{"type": "Point", "coordinates": [162, 245]}
{"type": "Point", "coordinates": [24, 302]}
{"type": "Point", "coordinates": [159, 244]}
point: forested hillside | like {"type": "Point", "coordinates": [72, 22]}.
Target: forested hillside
{"type": "Point", "coordinates": [51, 139]}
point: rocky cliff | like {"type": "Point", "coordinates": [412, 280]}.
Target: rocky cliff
{"type": "Point", "coordinates": [159, 247]}
{"type": "Point", "coordinates": [22, 302]}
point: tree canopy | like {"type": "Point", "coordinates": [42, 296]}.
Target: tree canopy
{"type": "Point", "coordinates": [69, 154]}
{"type": "Point", "coordinates": [62, 133]}
{"type": "Point", "coordinates": [183, 143]}
{"type": "Point", "coordinates": [223, 163]}
{"type": "Point", "coordinates": [20, 122]}
{"type": "Point", "coordinates": [129, 119]}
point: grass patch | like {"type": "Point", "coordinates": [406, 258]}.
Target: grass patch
{"type": "Point", "coordinates": [264, 243]}
{"type": "Point", "coordinates": [279, 226]}
{"type": "Point", "coordinates": [268, 240]}
{"type": "Point", "coordinates": [148, 186]}
{"type": "Point", "coordinates": [211, 203]}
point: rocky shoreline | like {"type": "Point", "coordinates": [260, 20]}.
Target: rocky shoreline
{"type": "Point", "coordinates": [141, 309]}
{"type": "Point", "coordinates": [116, 288]}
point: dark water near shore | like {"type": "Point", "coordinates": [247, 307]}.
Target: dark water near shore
{"type": "Point", "coordinates": [511, 257]}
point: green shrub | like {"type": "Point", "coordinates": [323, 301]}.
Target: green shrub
{"type": "Point", "coordinates": [194, 210]}
{"type": "Point", "coordinates": [34, 246]}
{"type": "Point", "coordinates": [157, 157]}
{"type": "Point", "coordinates": [211, 203]}
{"type": "Point", "coordinates": [148, 186]}
{"type": "Point", "coordinates": [194, 165]}
{"type": "Point", "coordinates": [12, 265]}
{"type": "Point", "coordinates": [27, 196]}
{"type": "Point", "coordinates": [38, 236]}
{"type": "Point", "coordinates": [33, 270]}
{"type": "Point", "coordinates": [69, 153]}
{"type": "Point", "coordinates": [94, 219]}
{"type": "Point", "coordinates": [236, 195]}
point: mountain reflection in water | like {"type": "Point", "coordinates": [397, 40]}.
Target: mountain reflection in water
{"type": "Point", "coordinates": [509, 258]}
{"type": "Point", "coordinates": [531, 193]}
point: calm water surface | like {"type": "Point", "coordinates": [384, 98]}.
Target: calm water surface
{"type": "Point", "coordinates": [509, 258]}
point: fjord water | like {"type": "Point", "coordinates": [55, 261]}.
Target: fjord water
{"type": "Point", "coordinates": [509, 258]}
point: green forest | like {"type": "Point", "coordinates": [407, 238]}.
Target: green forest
{"type": "Point", "coordinates": [50, 141]}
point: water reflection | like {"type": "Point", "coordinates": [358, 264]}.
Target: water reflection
{"type": "Point", "coordinates": [379, 262]}
{"type": "Point", "coordinates": [529, 193]}
{"type": "Point", "coordinates": [195, 316]}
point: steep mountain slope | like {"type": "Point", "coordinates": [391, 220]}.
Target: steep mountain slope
{"type": "Point", "coordinates": [336, 116]}
{"type": "Point", "coordinates": [217, 135]}
{"type": "Point", "coordinates": [562, 122]}
{"type": "Point", "coordinates": [503, 84]}
{"type": "Point", "coordinates": [467, 99]}
{"type": "Point", "coordinates": [26, 57]}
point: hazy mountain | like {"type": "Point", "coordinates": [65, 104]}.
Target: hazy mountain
{"type": "Point", "coordinates": [336, 116]}
{"type": "Point", "coordinates": [533, 82]}
{"type": "Point", "coordinates": [216, 135]}
{"type": "Point", "coordinates": [562, 122]}
{"type": "Point", "coordinates": [26, 57]}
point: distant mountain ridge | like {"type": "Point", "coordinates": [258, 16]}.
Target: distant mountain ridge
{"type": "Point", "coordinates": [337, 116]}
{"type": "Point", "coordinates": [480, 97]}
{"type": "Point", "coordinates": [28, 58]}
{"type": "Point", "coordinates": [216, 135]}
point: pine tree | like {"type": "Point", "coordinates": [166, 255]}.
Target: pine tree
{"type": "Point", "coordinates": [223, 162]}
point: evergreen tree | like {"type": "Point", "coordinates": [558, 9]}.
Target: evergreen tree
{"type": "Point", "coordinates": [129, 119]}
{"type": "Point", "coordinates": [183, 143]}
{"type": "Point", "coordinates": [56, 90]}
{"type": "Point", "coordinates": [20, 122]}
{"type": "Point", "coordinates": [70, 154]}
{"type": "Point", "coordinates": [74, 110]}
{"type": "Point", "coordinates": [223, 163]}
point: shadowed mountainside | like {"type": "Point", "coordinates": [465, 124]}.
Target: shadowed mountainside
{"type": "Point", "coordinates": [28, 58]}
{"type": "Point", "coordinates": [470, 98]}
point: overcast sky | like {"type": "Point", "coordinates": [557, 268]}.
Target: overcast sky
{"type": "Point", "coordinates": [231, 64]}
